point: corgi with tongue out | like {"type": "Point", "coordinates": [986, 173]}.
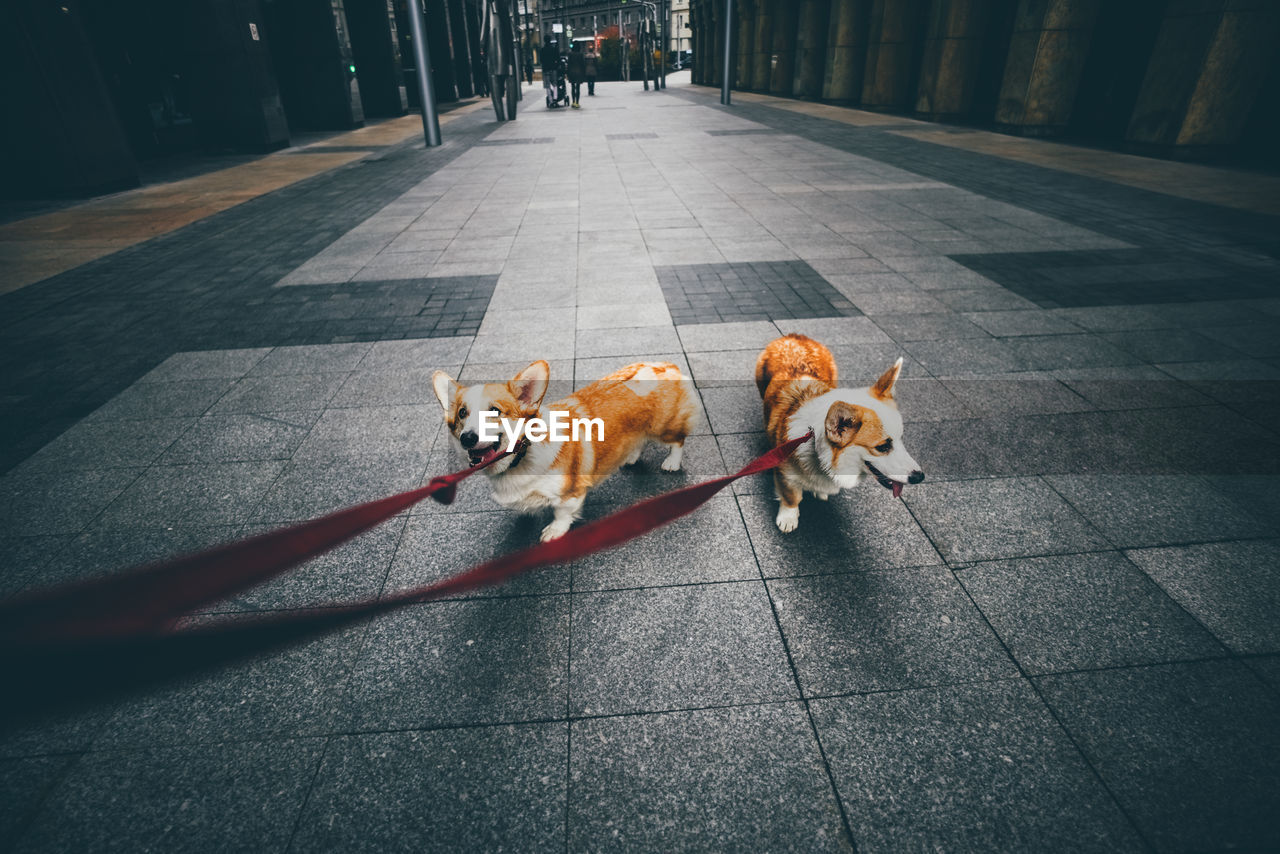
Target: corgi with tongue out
{"type": "Point", "coordinates": [648, 402]}
{"type": "Point", "coordinates": [857, 432]}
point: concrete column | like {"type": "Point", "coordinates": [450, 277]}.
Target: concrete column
{"type": "Point", "coordinates": [762, 52]}
{"type": "Point", "coordinates": [698, 23]}
{"type": "Point", "coordinates": [811, 48]}
{"type": "Point", "coordinates": [376, 49]}
{"type": "Point", "coordinates": [951, 57]}
{"type": "Point", "coordinates": [786, 17]}
{"type": "Point", "coordinates": [746, 24]}
{"type": "Point", "coordinates": [312, 53]}
{"type": "Point", "coordinates": [847, 35]}
{"type": "Point", "coordinates": [892, 54]}
{"type": "Point", "coordinates": [62, 135]}
{"type": "Point", "coordinates": [236, 100]}
{"type": "Point", "coordinates": [440, 46]}
{"type": "Point", "coordinates": [1046, 59]}
{"type": "Point", "coordinates": [1208, 65]}
{"type": "Point", "coordinates": [461, 49]}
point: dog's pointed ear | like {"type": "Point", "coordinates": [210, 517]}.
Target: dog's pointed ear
{"type": "Point", "coordinates": [530, 385]}
{"type": "Point", "coordinates": [844, 420]}
{"type": "Point", "coordinates": [883, 388]}
{"type": "Point", "coordinates": [445, 388]}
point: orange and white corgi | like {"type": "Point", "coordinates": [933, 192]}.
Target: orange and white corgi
{"type": "Point", "coordinates": [856, 431]}
{"type": "Point", "coordinates": [641, 403]}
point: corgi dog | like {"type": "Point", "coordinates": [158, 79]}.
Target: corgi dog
{"type": "Point", "coordinates": [856, 432]}
{"type": "Point", "coordinates": [641, 403]}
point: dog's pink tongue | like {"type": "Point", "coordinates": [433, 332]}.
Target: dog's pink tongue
{"type": "Point", "coordinates": [488, 455]}
{"type": "Point", "coordinates": [897, 489]}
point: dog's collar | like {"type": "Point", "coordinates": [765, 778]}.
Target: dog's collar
{"type": "Point", "coordinates": [522, 448]}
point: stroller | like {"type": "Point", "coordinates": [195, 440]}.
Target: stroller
{"type": "Point", "coordinates": [556, 84]}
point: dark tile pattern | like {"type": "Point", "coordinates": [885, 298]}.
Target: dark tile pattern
{"type": "Point", "coordinates": [1118, 277]}
{"type": "Point", "coordinates": [761, 290]}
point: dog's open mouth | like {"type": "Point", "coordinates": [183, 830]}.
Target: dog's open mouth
{"type": "Point", "coordinates": [892, 485]}
{"type": "Point", "coordinates": [482, 455]}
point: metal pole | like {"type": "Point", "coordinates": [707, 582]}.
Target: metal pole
{"type": "Point", "coordinates": [422, 58]}
{"type": "Point", "coordinates": [728, 33]}
{"type": "Point", "coordinates": [665, 38]}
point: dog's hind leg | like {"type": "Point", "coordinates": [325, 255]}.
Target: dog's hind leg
{"type": "Point", "coordinates": [566, 512]}
{"type": "Point", "coordinates": [675, 459]}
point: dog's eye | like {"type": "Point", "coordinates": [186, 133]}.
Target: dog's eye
{"type": "Point", "coordinates": [462, 412]}
{"type": "Point", "coordinates": [496, 411]}
{"type": "Point", "coordinates": [885, 447]}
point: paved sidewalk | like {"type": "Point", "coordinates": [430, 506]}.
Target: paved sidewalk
{"type": "Point", "coordinates": [1064, 639]}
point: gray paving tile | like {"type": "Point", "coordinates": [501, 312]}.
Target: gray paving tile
{"type": "Point", "coordinates": [1169, 345]}
{"type": "Point", "coordinates": [990, 519]}
{"type": "Point", "coordinates": [388, 388]}
{"type": "Point", "coordinates": [24, 784]}
{"type": "Point", "coordinates": [241, 438]}
{"type": "Point", "coordinates": [293, 691]}
{"type": "Point", "coordinates": [148, 401]}
{"type": "Point", "coordinates": [423, 353]}
{"type": "Point", "coordinates": [435, 547]}
{"type": "Point", "coordinates": [676, 647]}
{"type": "Point", "coordinates": [726, 336]}
{"type": "Point", "coordinates": [928, 327]}
{"type": "Point", "coordinates": [472, 662]}
{"type": "Point", "coordinates": [206, 364]}
{"type": "Point", "coordinates": [710, 544]}
{"type": "Point", "coordinates": [834, 331]}
{"type": "Point", "coordinates": [198, 494]}
{"type": "Point", "coordinates": [407, 431]}
{"type": "Point", "coordinates": [312, 359]}
{"type": "Point", "coordinates": [1086, 611]}
{"type": "Point", "coordinates": [967, 767]}
{"type": "Point", "coordinates": [104, 550]}
{"type": "Point", "coordinates": [751, 778]}
{"type": "Point", "coordinates": [1056, 352]}
{"type": "Point", "coordinates": [38, 502]}
{"type": "Point", "coordinates": [884, 631]}
{"type": "Point", "coordinates": [219, 797]}
{"type": "Point", "coordinates": [310, 488]}
{"type": "Point", "coordinates": [1229, 587]}
{"type": "Point", "coordinates": [966, 356]}
{"type": "Point", "coordinates": [1005, 324]}
{"type": "Point", "coordinates": [270, 393]}
{"type": "Point", "coordinates": [95, 444]}
{"type": "Point", "coordinates": [859, 529]}
{"type": "Point", "coordinates": [592, 343]}
{"type": "Point", "coordinates": [1029, 393]}
{"type": "Point", "coordinates": [1129, 387]}
{"type": "Point", "coordinates": [488, 788]}
{"type": "Point", "coordinates": [1190, 750]}
{"type": "Point", "coordinates": [723, 367]}
{"type": "Point", "coordinates": [733, 409]}
{"type": "Point", "coordinates": [1268, 668]}
{"type": "Point", "coordinates": [1136, 510]}
{"type": "Point", "coordinates": [354, 571]}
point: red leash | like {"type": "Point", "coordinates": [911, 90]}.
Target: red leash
{"type": "Point", "coordinates": [147, 598]}
{"type": "Point", "coordinates": [108, 635]}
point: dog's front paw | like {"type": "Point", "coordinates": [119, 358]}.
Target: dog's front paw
{"type": "Point", "coordinates": [821, 496]}
{"type": "Point", "coordinates": [555, 530]}
{"type": "Point", "coordinates": [788, 519]}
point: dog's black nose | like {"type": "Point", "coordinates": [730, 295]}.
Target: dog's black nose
{"type": "Point", "coordinates": [915, 477]}
{"type": "Point", "coordinates": [469, 439]}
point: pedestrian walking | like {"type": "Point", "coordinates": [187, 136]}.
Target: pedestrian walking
{"type": "Point", "coordinates": [577, 71]}
{"type": "Point", "coordinates": [592, 72]}
{"type": "Point", "coordinates": [528, 65]}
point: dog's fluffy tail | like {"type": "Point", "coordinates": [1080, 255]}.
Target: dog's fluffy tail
{"type": "Point", "coordinates": [793, 356]}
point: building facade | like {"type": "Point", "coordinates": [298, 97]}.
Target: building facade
{"type": "Point", "coordinates": [103, 85]}
{"type": "Point", "coordinates": [1173, 77]}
